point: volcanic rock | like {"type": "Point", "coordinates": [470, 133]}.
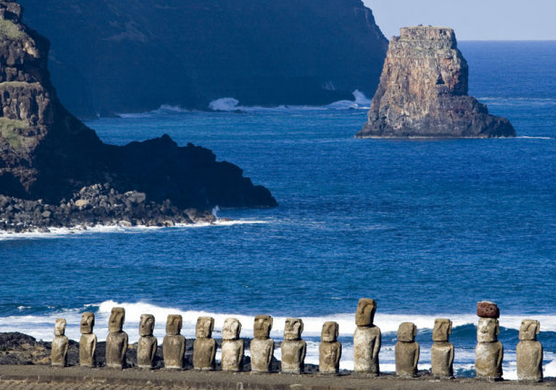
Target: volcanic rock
{"type": "Point", "coordinates": [423, 91]}
{"type": "Point", "coordinates": [47, 155]}
{"type": "Point", "coordinates": [487, 309]}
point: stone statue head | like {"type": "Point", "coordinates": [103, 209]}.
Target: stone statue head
{"type": "Point", "coordinates": [262, 327]}
{"type": "Point", "coordinates": [60, 327]}
{"type": "Point", "coordinates": [293, 329]}
{"type": "Point", "coordinates": [442, 329]}
{"type": "Point", "coordinates": [407, 332]}
{"type": "Point", "coordinates": [487, 330]}
{"type": "Point", "coordinates": [231, 329]}
{"type": "Point", "coordinates": [204, 327]}
{"type": "Point", "coordinates": [87, 323]}
{"type": "Point", "coordinates": [146, 326]}
{"type": "Point", "coordinates": [117, 318]}
{"type": "Point", "coordinates": [173, 324]}
{"type": "Point", "coordinates": [330, 332]}
{"type": "Point", "coordinates": [365, 314]}
{"type": "Point", "coordinates": [529, 330]}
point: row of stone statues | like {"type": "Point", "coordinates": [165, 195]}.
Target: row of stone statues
{"type": "Point", "coordinates": [366, 342]}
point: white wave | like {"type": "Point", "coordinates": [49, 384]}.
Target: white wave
{"type": "Point", "coordinates": [230, 104]}
{"type": "Point", "coordinates": [527, 137]}
{"type": "Point", "coordinates": [165, 109]}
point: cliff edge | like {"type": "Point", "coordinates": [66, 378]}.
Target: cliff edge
{"type": "Point", "coordinates": [423, 91]}
{"type": "Point", "coordinates": [47, 154]}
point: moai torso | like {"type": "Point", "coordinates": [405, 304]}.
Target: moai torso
{"type": "Point", "coordinates": [146, 348]}
{"type": "Point", "coordinates": [489, 352]}
{"type": "Point", "coordinates": [330, 350]}
{"type": "Point", "coordinates": [262, 346]}
{"type": "Point", "coordinates": [407, 351]}
{"type": "Point", "coordinates": [366, 339]}
{"type": "Point", "coordinates": [442, 351]}
{"type": "Point", "coordinates": [293, 348]}
{"type": "Point", "coordinates": [88, 341]}
{"type": "Point", "coordinates": [204, 348]}
{"type": "Point", "coordinates": [232, 346]}
{"type": "Point", "coordinates": [529, 352]}
{"type": "Point", "coordinates": [117, 340]}
{"type": "Point", "coordinates": [60, 344]}
{"type": "Point", "coordinates": [173, 346]}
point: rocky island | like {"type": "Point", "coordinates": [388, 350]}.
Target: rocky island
{"type": "Point", "coordinates": [423, 92]}
{"type": "Point", "coordinates": [55, 171]}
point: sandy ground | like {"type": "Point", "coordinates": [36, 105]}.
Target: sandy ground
{"type": "Point", "coordinates": [47, 378]}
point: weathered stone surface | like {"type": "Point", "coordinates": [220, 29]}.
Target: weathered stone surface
{"type": "Point", "coordinates": [60, 344]}
{"type": "Point", "coordinates": [423, 91]}
{"type": "Point", "coordinates": [489, 352]}
{"type": "Point", "coordinates": [367, 339]}
{"type": "Point", "coordinates": [147, 345]}
{"type": "Point", "coordinates": [173, 346]}
{"type": "Point", "coordinates": [486, 309]}
{"type": "Point", "coordinates": [88, 341]}
{"type": "Point", "coordinates": [262, 346]}
{"type": "Point", "coordinates": [204, 348]}
{"type": "Point", "coordinates": [442, 351]}
{"type": "Point", "coordinates": [529, 352]}
{"type": "Point", "coordinates": [232, 346]}
{"type": "Point", "coordinates": [293, 347]}
{"type": "Point", "coordinates": [407, 350]}
{"type": "Point", "coordinates": [330, 350]}
{"type": "Point", "coordinates": [117, 340]}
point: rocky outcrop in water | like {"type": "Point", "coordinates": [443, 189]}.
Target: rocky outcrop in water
{"type": "Point", "coordinates": [47, 154]}
{"type": "Point", "coordinates": [423, 91]}
{"type": "Point", "coordinates": [135, 55]}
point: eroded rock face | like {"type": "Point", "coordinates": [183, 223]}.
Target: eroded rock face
{"type": "Point", "coordinates": [423, 91]}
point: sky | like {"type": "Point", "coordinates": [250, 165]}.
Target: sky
{"type": "Point", "coordinates": [471, 19]}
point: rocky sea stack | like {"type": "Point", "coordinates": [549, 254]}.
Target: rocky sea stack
{"type": "Point", "coordinates": [47, 155]}
{"type": "Point", "coordinates": [423, 91]}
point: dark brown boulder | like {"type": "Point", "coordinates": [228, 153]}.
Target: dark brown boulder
{"type": "Point", "coordinates": [487, 309]}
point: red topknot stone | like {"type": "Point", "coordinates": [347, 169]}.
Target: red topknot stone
{"type": "Point", "coordinates": [487, 309]}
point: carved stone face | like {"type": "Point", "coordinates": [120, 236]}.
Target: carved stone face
{"type": "Point", "coordinates": [117, 318]}
{"type": "Point", "coordinates": [487, 330]}
{"type": "Point", "coordinates": [442, 329]}
{"type": "Point", "coordinates": [529, 330]}
{"type": "Point", "coordinates": [407, 332]}
{"type": "Point", "coordinates": [231, 329]}
{"type": "Point", "coordinates": [146, 326]}
{"type": "Point", "coordinates": [365, 314]}
{"type": "Point", "coordinates": [293, 329]}
{"type": "Point", "coordinates": [87, 323]}
{"type": "Point", "coordinates": [60, 327]}
{"type": "Point", "coordinates": [330, 332]}
{"type": "Point", "coordinates": [262, 327]}
{"type": "Point", "coordinates": [204, 327]}
{"type": "Point", "coordinates": [173, 324]}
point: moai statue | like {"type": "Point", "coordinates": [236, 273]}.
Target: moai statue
{"type": "Point", "coordinates": [262, 346]}
{"type": "Point", "coordinates": [489, 352]}
{"type": "Point", "coordinates": [330, 350]}
{"type": "Point", "coordinates": [116, 342]}
{"type": "Point", "coordinates": [529, 352]}
{"type": "Point", "coordinates": [146, 348]}
{"type": "Point", "coordinates": [173, 346]}
{"type": "Point", "coordinates": [407, 350]}
{"type": "Point", "coordinates": [366, 339]}
{"type": "Point", "coordinates": [204, 348]}
{"type": "Point", "coordinates": [88, 341]}
{"type": "Point", "coordinates": [293, 347]}
{"type": "Point", "coordinates": [60, 344]}
{"type": "Point", "coordinates": [442, 351]}
{"type": "Point", "coordinates": [232, 346]}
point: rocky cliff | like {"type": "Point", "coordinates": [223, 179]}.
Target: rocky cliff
{"type": "Point", "coordinates": [423, 91]}
{"type": "Point", "coordinates": [46, 153]}
{"type": "Point", "coordinates": [134, 55]}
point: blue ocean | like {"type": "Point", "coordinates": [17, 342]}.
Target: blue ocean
{"type": "Point", "coordinates": [426, 227]}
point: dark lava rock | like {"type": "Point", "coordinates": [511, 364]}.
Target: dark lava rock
{"type": "Point", "coordinates": [423, 92]}
{"type": "Point", "coordinates": [47, 154]}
